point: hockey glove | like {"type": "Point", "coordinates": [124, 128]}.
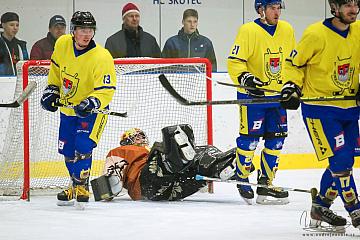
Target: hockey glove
{"type": "Point", "coordinates": [50, 96]}
{"type": "Point", "coordinates": [248, 80]}
{"type": "Point", "coordinates": [85, 107]}
{"type": "Point", "coordinates": [290, 96]}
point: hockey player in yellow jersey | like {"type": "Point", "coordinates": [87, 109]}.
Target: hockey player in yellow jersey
{"type": "Point", "coordinates": [326, 63]}
{"type": "Point", "coordinates": [256, 60]}
{"type": "Point", "coordinates": [82, 74]}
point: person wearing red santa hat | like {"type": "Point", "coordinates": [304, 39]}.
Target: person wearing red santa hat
{"type": "Point", "coordinates": [132, 40]}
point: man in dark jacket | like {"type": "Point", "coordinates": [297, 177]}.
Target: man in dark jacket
{"type": "Point", "coordinates": [188, 42]}
{"type": "Point", "coordinates": [12, 49]}
{"type": "Point", "coordinates": [44, 48]}
{"type": "Point", "coordinates": [131, 40]}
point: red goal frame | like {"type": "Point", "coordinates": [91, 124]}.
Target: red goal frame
{"type": "Point", "coordinates": [25, 74]}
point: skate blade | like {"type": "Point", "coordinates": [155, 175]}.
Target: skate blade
{"type": "Point", "coordinates": [320, 226]}
{"type": "Point", "coordinates": [267, 200]}
{"type": "Point", "coordinates": [80, 205]}
{"type": "Point", "coordinates": [65, 203]}
{"type": "Point", "coordinates": [248, 201]}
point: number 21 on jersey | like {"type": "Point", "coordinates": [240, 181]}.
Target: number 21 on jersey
{"type": "Point", "coordinates": [235, 50]}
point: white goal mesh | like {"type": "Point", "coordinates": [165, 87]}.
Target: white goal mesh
{"type": "Point", "coordinates": [29, 158]}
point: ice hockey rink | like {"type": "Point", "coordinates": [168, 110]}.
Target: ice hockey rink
{"type": "Point", "coordinates": [222, 215]}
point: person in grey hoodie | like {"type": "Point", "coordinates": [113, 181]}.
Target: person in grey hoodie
{"type": "Point", "coordinates": [188, 42]}
{"type": "Point", "coordinates": [131, 40]}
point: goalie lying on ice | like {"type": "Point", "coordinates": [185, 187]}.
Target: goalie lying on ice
{"type": "Point", "coordinates": [166, 172]}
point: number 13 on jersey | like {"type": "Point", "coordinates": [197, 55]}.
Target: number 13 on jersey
{"type": "Point", "coordinates": [107, 79]}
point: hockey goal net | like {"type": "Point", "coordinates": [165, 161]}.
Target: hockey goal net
{"type": "Point", "coordinates": [29, 158]}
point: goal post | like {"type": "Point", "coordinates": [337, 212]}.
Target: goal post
{"type": "Point", "coordinates": [29, 159]}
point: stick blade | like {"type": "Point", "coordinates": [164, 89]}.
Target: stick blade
{"type": "Point", "coordinates": [166, 84]}
{"type": "Point", "coordinates": [23, 96]}
{"type": "Point", "coordinates": [119, 114]}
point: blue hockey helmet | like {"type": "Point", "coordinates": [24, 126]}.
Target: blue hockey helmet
{"type": "Point", "coordinates": [264, 3]}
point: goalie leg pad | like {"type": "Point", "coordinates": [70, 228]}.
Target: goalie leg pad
{"type": "Point", "coordinates": [214, 163]}
{"type": "Point", "coordinates": [106, 187]}
{"type": "Point", "coordinates": [184, 145]}
{"type": "Point", "coordinates": [178, 147]}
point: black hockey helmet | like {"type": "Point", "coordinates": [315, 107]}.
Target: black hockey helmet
{"type": "Point", "coordinates": [337, 4]}
{"type": "Point", "coordinates": [82, 19]}
{"type": "Point", "coordinates": [342, 2]}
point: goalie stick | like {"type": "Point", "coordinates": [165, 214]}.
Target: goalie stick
{"type": "Point", "coordinates": [23, 96]}
{"type": "Point", "coordinates": [199, 177]}
{"type": "Point", "coordinates": [166, 84]}
{"type": "Point", "coordinates": [101, 111]}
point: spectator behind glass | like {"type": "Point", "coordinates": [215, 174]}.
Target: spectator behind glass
{"type": "Point", "coordinates": [44, 48]}
{"type": "Point", "coordinates": [12, 49]}
{"type": "Point", "coordinates": [188, 42]}
{"type": "Point", "coordinates": [131, 40]}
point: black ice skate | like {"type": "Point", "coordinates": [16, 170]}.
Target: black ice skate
{"type": "Point", "coordinates": [245, 192]}
{"type": "Point", "coordinates": [66, 197]}
{"type": "Point", "coordinates": [355, 218]}
{"type": "Point", "coordinates": [320, 214]}
{"type": "Point", "coordinates": [271, 195]}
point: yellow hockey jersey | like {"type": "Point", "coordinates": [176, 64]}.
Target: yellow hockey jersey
{"type": "Point", "coordinates": [257, 51]}
{"type": "Point", "coordinates": [78, 77]}
{"type": "Point", "coordinates": [326, 63]}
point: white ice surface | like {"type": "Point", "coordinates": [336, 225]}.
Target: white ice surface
{"type": "Point", "coordinates": [222, 216]}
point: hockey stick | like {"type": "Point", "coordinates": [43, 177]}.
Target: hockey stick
{"type": "Point", "coordinates": [199, 178]}
{"type": "Point", "coordinates": [247, 87]}
{"type": "Point", "coordinates": [23, 96]}
{"type": "Point", "coordinates": [166, 84]}
{"type": "Point", "coordinates": [101, 111]}
{"type": "Point", "coordinates": [236, 85]}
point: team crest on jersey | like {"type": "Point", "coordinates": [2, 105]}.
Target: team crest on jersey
{"type": "Point", "coordinates": [343, 75]}
{"type": "Point", "coordinates": [70, 84]}
{"type": "Point", "coordinates": [273, 65]}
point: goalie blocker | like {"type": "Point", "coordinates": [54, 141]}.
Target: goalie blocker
{"type": "Point", "coordinates": [168, 171]}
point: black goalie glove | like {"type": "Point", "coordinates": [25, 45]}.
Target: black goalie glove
{"type": "Point", "coordinates": [290, 96]}
{"type": "Point", "coordinates": [246, 79]}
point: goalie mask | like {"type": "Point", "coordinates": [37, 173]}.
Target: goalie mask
{"type": "Point", "coordinates": [134, 136]}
